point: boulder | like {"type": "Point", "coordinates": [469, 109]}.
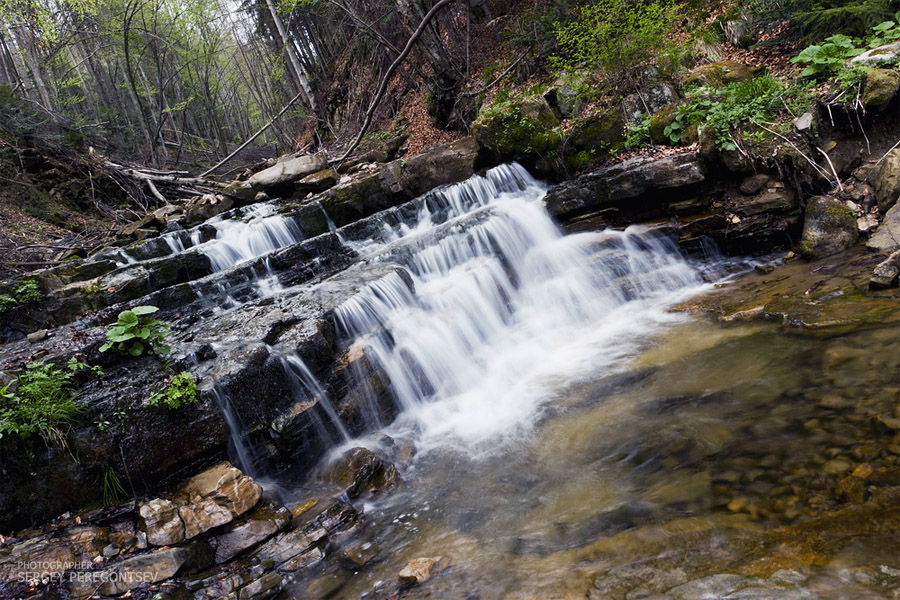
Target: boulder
{"type": "Point", "coordinates": [163, 523]}
{"type": "Point", "coordinates": [887, 237]}
{"type": "Point", "coordinates": [873, 57]}
{"type": "Point", "coordinates": [318, 181]}
{"type": "Point", "coordinates": [287, 171]}
{"type": "Point", "coordinates": [211, 499]}
{"type": "Point", "coordinates": [421, 570]}
{"type": "Point", "coordinates": [360, 470]}
{"type": "Point", "coordinates": [885, 179]}
{"type": "Point", "coordinates": [661, 119]}
{"type": "Point", "coordinates": [632, 178]}
{"type": "Point", "coordinates": [886, 273]}
{"type": "Point", "coordinates": [603, 132]}
{"type": "Point", "coordinates": [215, 497]}
{"type": "Point", "coordinates": [719, 74]}
{"type": "Point", "coordinates": [648, 100]}
{"type": "Point", "coordinates": [440, 165]}
{"type": "Point", "coordinates": [829, 228]}
{"type": "Point", "coordinates": [879, 89]}
{"type": "Point", "coordinates": [564, 98]}
{"type": "Point", "coordinates": [518, 130]}
{"type": "Point", "coordinates": [205, 207]}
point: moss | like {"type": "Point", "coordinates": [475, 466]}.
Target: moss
{"type": "Point", "coordinates": [719, 74]}
{"type": "Point", "coordinates": [518, 128]}
{"type": "Point", "coordinates": [661, 119]}
{"type": "Point", "coordinates": [880, 87]}
{"type": "Point", "coordinates": [602, 133]}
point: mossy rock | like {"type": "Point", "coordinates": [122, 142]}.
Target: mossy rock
{"type": "Point", "coordinates": [518, 129]}
{"type": "Point", "coordinates": [721, 73]}
{"type": "Point", "coordinates": [604, 132]}
{"type": "Point", "coordinates": [829, 228]}
{"type": "Point", "coordinates": [661, 119]}
{"type": "Point", "coordinates": [880, 88]}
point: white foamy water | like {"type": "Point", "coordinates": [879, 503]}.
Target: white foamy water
{"type": "Point", "coordinates": [504, 311]}
{"type": "Point", "coordinates": [260, 232]}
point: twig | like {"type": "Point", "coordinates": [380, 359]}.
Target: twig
{"type": "Point", "coordinates": [833, 171]}
{"type": "Point", "coordinates": [794, 146]}
{"type": "Point", "coordinates": [894, 147]}
{"type": "Point", "coordinates": [498, 78]}
{"type": "Point", "coordinates": [155, 192]}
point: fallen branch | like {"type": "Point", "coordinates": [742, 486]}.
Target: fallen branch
{"type": "Point", "coordinates": [833, 171]}
{"type": "Point", "coordinates": [252, 137]}
{"type": "Point", "coordinates": [498, 78]}
{"type": "Point", "coordinates": [155, 192]}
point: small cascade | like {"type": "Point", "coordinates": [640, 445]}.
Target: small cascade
{"type": "Point", "coordinates": [305, 387]}
{"type": "Point", "coordinates": [237, 241]}
{"type": "Point", "coordinates": [240, 451]}
{"type": "Point", "coordinates": [497, 307]}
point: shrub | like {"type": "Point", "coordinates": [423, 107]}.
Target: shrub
{"type": "Point", "coordinates": [40, 401]}
{"type": "Point", "coordinates": [828, 58]}
{"type": "Point", "coordinates": [617, 37]}
{"type": "Point", "coordinates": [134, 332]}
{"type": "Point", "coordinates": [722, 111]}
{"type": "Point", "coordinates": [181, 389]}
{"type": "Point", "coordinates": [26, 292]}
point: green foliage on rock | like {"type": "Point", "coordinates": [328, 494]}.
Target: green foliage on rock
{"type": "Point", "coordinates": [617, 37]}
{"type": "Point", "coordinates": [40, 401]}
{"type": "Point", "coordinates": [26, 292]}
{"type": "Point", "coordinates": [135, 333]}
{"type": "Point", "coordinates": [180, 389]}
{"type": "Point", "coordinates": [513, 126]}
{"type": "Point", "coordinates": [826, 59]}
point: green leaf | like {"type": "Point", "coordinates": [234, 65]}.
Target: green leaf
{"type": "Point", "coordinates": [144, 310]}
{"type": "Point", "coordinates": [136, 349]}
{"type": "Point", "coordinates": [128, 318]}
{"type": "Point", "coordinates": [106, 346]}
{"type": "Point", "coordinates": [122, 337]}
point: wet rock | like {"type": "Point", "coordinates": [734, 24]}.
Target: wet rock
{"type": "Point", "coordinates": [162, 521]}
{"type": "Point", "coordinates": [886, 273]}
{"type": "Point", "coordinates": [879, 89]}
{"type": "Point", "coordinates": [719, 74]}
{"type": "Point", "coordinates": [439, 165]}
{"type": "Point", "coordinates": [215, 497]}
{"type": "Point", "coordinates": [836, 467]}
{"type": "Point", "coordinates": [885, 179]}
{"type": "Point", "coordinates": [804, 122]}
{"type": "Point", "coordinates": [34, 559]}
{"type": "Point", "coordinates": [37, 336]}
{"type": "Point", "coordinates": [852, 489]}
{"type": "Point", "coordinates": [359, 555]}
{"type": "Point", "coordinates": [754, 184]}
{"type": "Point", "coordinates": [319, 181]}
{"type": "Point", "coordinates": [887, 237]}
{"type": "Point", "coordinates": [265, 587]}
{"type": "Point", "coordinates": [360, 470]}
{"type": "Point", "coordinates": [421, 570]}
{"type": "Point", "coordinates": [611, 186]}
{"type": "Point", "coordinates": [261, 524]}
{"type": "Point", "coordinates": [131, 573]}
{"type": "Point", "coordinates": [828, 228]}
{"type": "Point", "coordinates": [714, 586]}
{"type": "Point", "coordinates": [212, 498]}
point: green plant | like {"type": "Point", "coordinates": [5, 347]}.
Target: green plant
{"type": "Point", "coordinates": [617, 37]}
{"type": "Point", "coordinates": [26, 292]}
{"type": "Point", "coordinates": [885, 32]}
{"type": "Point", "coordinates": [637, 135]}
{"type": "Point", "coordinates": [828, 58]}
{"type": "Point", "coordinates": [40, 401]}
{"type": "Point", "coordinates": [113, 490]}
{"type": "Point", "coordinates": [180, 389]}
{"type": "Point", "coordinates": [135, 333]}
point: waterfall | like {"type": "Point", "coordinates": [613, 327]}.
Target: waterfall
{"type": "Point", "coordinates": [305, 387]}
{"type": "Point", "coordinates": [260, 232]}
{"type": "Point", "coordinates": [502, 306]}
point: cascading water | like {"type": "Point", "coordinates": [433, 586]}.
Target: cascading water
{"type": "Point", "coordinates": [502, 307]}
